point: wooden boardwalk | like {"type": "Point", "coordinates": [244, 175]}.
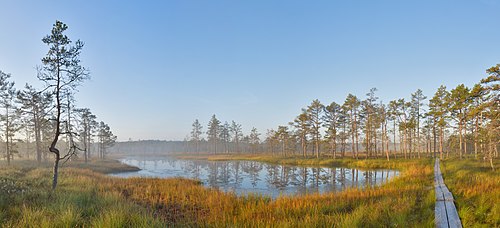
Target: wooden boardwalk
{"type": "Point", "coordinates": [446, 215]}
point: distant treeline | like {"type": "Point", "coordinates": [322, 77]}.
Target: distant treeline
{"type": "Point", "coordinates": [147, 147]}
{"type": "Point", "coordinates": [160, 147]}
{"type": "Point", "coordinates": [463, 121]}
{"type": "Point", "coordinates": [163, 147]}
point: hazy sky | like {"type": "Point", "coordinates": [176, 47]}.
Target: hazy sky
{"type": "Point", "coordinates": [157, 66]}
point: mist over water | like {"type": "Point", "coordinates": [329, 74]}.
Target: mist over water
{"type": "Point", "coordinates": [244, 177]}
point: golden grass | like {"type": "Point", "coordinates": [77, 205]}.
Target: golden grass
{"type": "Point", "coordinates": [476, 189]}
{"type": "Point", "coordinates": [88, 198]}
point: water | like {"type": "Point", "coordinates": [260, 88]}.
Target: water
{"type": "Point", "coordinates": [243, 177]}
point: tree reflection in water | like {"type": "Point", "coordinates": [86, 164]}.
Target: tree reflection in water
{"type": "Point", "coordinates": [273, 180]}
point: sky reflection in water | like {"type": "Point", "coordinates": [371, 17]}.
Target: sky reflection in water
{"type": "Point", "coordinates": [243, 177]}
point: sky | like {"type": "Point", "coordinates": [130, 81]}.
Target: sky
{"type": "Point", "coordinates": [156, 66]}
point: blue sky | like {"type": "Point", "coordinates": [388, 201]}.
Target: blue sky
{"type": "Point", "coordinates": [158, 65]}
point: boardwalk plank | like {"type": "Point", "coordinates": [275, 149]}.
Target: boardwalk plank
{"type": "Point", "coordinates": [439, 195]}
{"type": "Point", "coordinates": [453, 218]}
{"type": "Point", "coordinates": [441, 219]}
{"type": "Point", "coordinates": [446, 215]}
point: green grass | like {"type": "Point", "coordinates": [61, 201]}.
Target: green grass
{"type": "Point", "coordinates": [100, 166]}
{"type": "Point", "coordinates": [27, 201]}
{"type": "Point", "coordinates": [89, 198]}
{"type": "Point", "coordinates": [301, 161]}
{"type": "Point", "coordinates": [476, 189]}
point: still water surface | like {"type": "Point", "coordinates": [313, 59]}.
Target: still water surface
{"type": "Point", "coordinates": [243, 177]}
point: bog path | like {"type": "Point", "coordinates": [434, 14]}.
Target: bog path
{"type": "Point", "coordinates": [446, 215]}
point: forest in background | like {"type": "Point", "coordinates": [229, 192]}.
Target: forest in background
{"type": "Point", "coordinates": [463, 122]}
{"type": "Point", "coordinates": [459, 122]}
{"type": "Point", "coordinates": [45, 122]}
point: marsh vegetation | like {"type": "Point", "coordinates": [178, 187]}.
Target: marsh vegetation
{"type": "Point", "coordinates": [254, 177]}
{"type": "Point", "coordinates": [350, 161]}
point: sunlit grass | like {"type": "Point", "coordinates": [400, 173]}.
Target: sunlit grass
{"type": "Point", "coordinates": [27, 201]}
{"type": "Point", "coordinates": [100, 166]}
{"type": "Point", "coordinates": [88, 198]}
{"type": "Point", "coordinates": [476, 189]}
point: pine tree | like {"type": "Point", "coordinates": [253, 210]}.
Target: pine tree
{"type": "Point", "coordinates": [314, 111]}
{"type": "Point", "coordinates": [213, 132]}
{"type": "Point", "coordinates": [331, 123]}
{"type": "Point", "coordinates": [106, 139]}
{"type": "Point", "coordinates": [224, 136]}
{"type": "Point", "coordinates": [459, 101]}
{"type": "Point", "coordinates": [9, 118]}
{"type": "Point", "coordinates": [492, 105]}
{"type": "Point", "coordinates": [254, 139]}
{"type": "Point", "coordinates": [62, 72]}
{"type": "Point", "coordinates": [439, 111]}
{"type": "Point", "coordinates": [351, 104]}
{"type": "Point", "coordinates": [196, 134]}
{"type": "Point", "coordinates": [417, 99]}
{"type": "Point", "coordinates": [34, 105]}
{"type": "Point", "coordinates": [283, 136]}
{"type": "Point", "coordinates": [302, 127]}
{"type": "Point", "coordinates": [236, 133]}
{"type": "Point", "coordinates": [87, 123]}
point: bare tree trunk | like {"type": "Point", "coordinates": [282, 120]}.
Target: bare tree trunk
{"type": "Point", "coordinates": [465, 140]}
{"type": "Point", "coordinates": [85, 146]}
{"type": "Point", "coordinates": [317, 147]}
{"type": "Point", "coordinates": [476, 129]}
{"type": "Point", "coordinates": [491, 155]}
{"type": "Point", "coordinates": [37, 138]}
{"type": "Point", "coordinates": [28, 143]}
{"type": "Point", "coordinates": [496, 151]}
{"type": "Point", "coordinates": [418, 144]}
{"type": "Point", "coordinates": [367, 145]}
{"type": "Point", "coordinates": [283, 148]}
{"type": "Point", "coordinates": [375, 142]}
{"type": "Point", "coordinates": [52, 147]}
{"type": "Point", "coordinates": [7, 133]}
{"type": "Point", "coordinates": [404, 142]}
{"type": "Point", "coordinates": [394, 138]}
{"type": "Point", "coordinates": [435, 138]}
{"type": "Point", "coordinates": [352, 136]}
{"type": "Point", "coordinates": [334, 150]}
{"type": "Point", "coordinates": [7, 149]}
{"type": "Point", "coordinates": [382, 139]}
{"type": "Point", "coordinates": [356, 134]}
{"type": "Point", "coordinates": [409, 143]}
{"type": "Point", "coordinates": [385, 140]}
{"type": "Point", "coordinates": [368, 137]}
{"type": "Point", "coordinates": [303, 143]}
{"type": "Point", "coordinates": [460, 137]}
{"type": "Point", "coordinates": [89, 143]}
{"type": "Point", "coordinates": [56, 172]}
{"type": "Point", "coordinates": [441, 139]}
